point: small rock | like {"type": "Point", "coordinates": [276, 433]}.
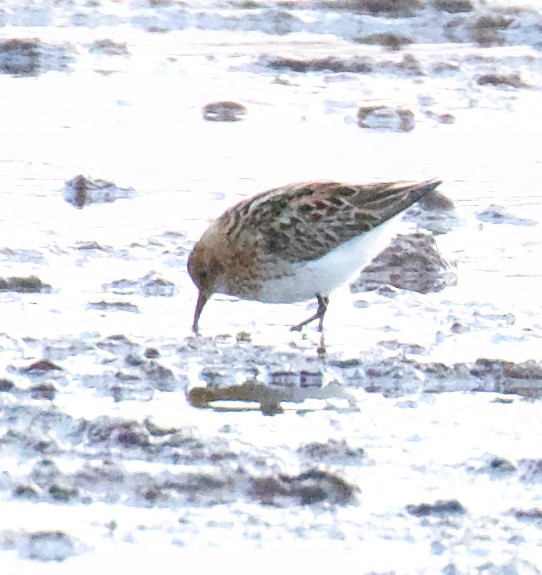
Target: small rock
{"type": "Point", "coordinates": [44, 472]}
{"type": "Point", "coordinates": [6, 385]}
{"type": "Point", "coordinates": [499, 466]}
{"type": "Point", "coordinates": [441, 117]}
{"type": "Point", "coordinates": [48, 546]}
{"type": "Point", "coordinates": [96, 473]}
{"type": "Point", "coordinates": [30, 491]}
{"type": "Point", "coordinates": [117, 344]}
{"type": "Point", "coordinates": [446, 67]}
{"type": "Point", "coordinates": [28, 284]}
{"type": "Point", "coordinates": [486, 30]}
{"type": "Point", "coordinates": [530, 469]}
{"type": "Point", "coordinates": [113, 306]}
{"type": "Point", "coordinates": [199, 482]}
{"type": "Point", "coordinates": [515, 566]}
{"type": "Point", "coordinates": [81, 191]}
{"type": "Point", "coordinates": [439, 508]}
{"type": "Point", "coordinates": [392, 8]}
{"type": "Point", "coordinates": [134, 360]}
{"type": "Point", "coordinates": [43, 391]}
{"type": "Point", "coordinates": [388, 40]}
{"type": "Point", "coordinates": [117, 430]}
{"type": "Point", "coordinates": [435, 200]}
{"type": "Point", "coordinates": [502, 81]}
{"type": "Point", "coordinates": [150, 285]}
{"type": "Point", "coordinates": [92, 246]}
{"type": "Point", "coordinates": [154, 285]}
{"type": "Point", "coordinates": [528, 514]}
{"type": "Point", "coordinates": [313, 486]}
{"type": "Point", "coordinates": [40, 367]}
{"type": "Point", "coordinates": [435, 212]}
{"type": "Point", "coordinates": [22, 255]}
{"type": "Point", "coordinates": [332, 450]}
{"type": "Point", "coordinates": [454, 6]}
{"type": "Point", "coordinates": [386, 118]}
{"type": "Point", "coordinates": [20, 57]}
{"type": "Point", "coordinates": [62, 493]}
{"type": "Point", "coordinates": [495, 214]}
{"type": "Point", "coordinates": [161, 377]}
{"type": "Point", "coordinates": [357, 65]}
{"type": "Point", "coordinates": [109, 47]}
{"type": "Point", "coordinates": [410, 65]}
{"type": "Point", "coordinates": [411, 262]}
{"type": "Point", "coordinates": [224, 111]}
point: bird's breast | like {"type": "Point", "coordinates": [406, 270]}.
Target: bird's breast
{"type": "Point", "coordinates": [305, 279]}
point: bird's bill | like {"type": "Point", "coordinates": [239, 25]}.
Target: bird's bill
{"type": "Point", "coordinates": [200, 304]}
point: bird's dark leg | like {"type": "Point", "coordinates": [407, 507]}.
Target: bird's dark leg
{"type": "Point", "coordinates": [319, 315]}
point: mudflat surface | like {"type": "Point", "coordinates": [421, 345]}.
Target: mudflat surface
{"type": "Point", "coordinates": [413, 445]}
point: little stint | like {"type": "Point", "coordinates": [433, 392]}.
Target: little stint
{"type": "Point", "coordinates": [298, 242]}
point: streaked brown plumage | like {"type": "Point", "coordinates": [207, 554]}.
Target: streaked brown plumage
{"type": "Point", "coordinates": [298, 241]}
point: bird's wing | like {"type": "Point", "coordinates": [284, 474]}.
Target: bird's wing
{"type": "Point", "coordinates": [302, 222]}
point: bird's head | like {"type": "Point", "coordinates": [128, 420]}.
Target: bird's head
{"type": "Point", "coordinates": [206, 268]}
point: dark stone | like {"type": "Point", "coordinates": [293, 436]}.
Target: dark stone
{"type": "Point", "coordinates": [48, 546]}
{"type": "Point", "coordinates": [81, 191]}
{"type": "Point", "coordinates": [332, 450]}
{"type": "Point", "coordinates": [502, 80]}
{"type": "Point", "coordinates": [28, 284]}
{"type": "Point", "coordinates": [20, 57]}
{"type": "Point", "coordinates": [410, 65]}
{"type": "Point", "coordinates": [27, 491]}
{"type": "Point", "coordinates": [500, 465]}
{"type": "Point", "coordinates": [113, 306]}
{"type": "Point", "coordinates": [388, 40]}
{"type": "Point", "coordinates": [495, 214]}
{"type": "Point", "coordinates": [313, 486]}
{"type": "Point", "coordinates": [528, 514]}
{"type": "Point", "coordinates": [31, 56]}
{"type": "Point", "coordinates": [439, 508]}
{"type": "Point", "coordinates": [393, 8]}
{"type": "Point", "coordinates": [160, 377]}
{"type": "Point", "coordinates": [6, 385]}
{"type": "Point", "coordinates": [410, 262]}
{"type": "Point", "coordinates": [62, 494]}
{"type": "Point", "coordinates": [117, 430]}
{"type": "Point", "coordinates": [134, 360]}
{"type": "Point", "coordinates": [43, 391]}
{"type": "Point", "coordinates": [486, 30]}
{"type": "Point", "coordinates": [41, 366]}
{"type": "Point", "coordinates": [386, 118]}
{"type": "Point", "coordinates": [109, 47]}
{"type": "Point", "coordinates": [530, 469]}
{"type": "Point", "coordinates": [358, 65]}
{"type": "Point", "coordinates": [224, 111]}
{"type": "Point", "coordinates": [118, 344]}
{"type": "Point", "coordinates": [454, 6]}
{"type": "Point", "coordinates": [153, 285]}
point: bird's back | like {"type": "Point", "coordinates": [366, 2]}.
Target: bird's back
{"type": "Point", "coordinates": [301, 222]}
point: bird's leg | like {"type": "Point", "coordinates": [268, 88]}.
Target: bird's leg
{"type": "Point", "coordinates": [319, 315]}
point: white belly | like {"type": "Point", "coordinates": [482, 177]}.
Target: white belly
{"type": "Point", "coordinates": [323, 275]}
